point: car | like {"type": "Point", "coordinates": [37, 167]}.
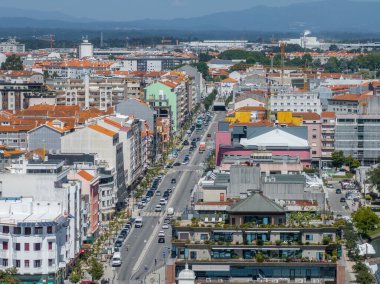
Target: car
{"type": "Point", "coordinates": [342, 199]}
{"type": "Point", "coordinates": [165, 226]}
{"type": "Point", "coordinates": [149, 194]}
{"type": "Point", "coordinates": [185, 143]}
{"type": "Point", "coordinates": [188, 132]}
{"type": "Point", "coordinates": [168, 166]}
{"type": "Point", "coordinates": [330, 186]}
{"type": "Point", "coordinates": [176, 164]}
{"type": "Point", "coordinates": [169, 190]}
{"type": "Point", "coordinates": [158, 193]}
{"type": "Point", "coordinates": [338, 215]}
{"type": "Point", "coordinates": [356, 199]}
{"type": "Point", "coordinates": [208, 134]}
{"type": "Point", "coordinates": [168, 219]}
{"type": "Point", "coordinates": [194, 140]}
{"type": "Point", "coordinates": [173, 181]}
{"type": "Point", "coordinates": [194, 144]}
{"type": "Point", "coordinates": [162, 201]}
{"type": "Point", "coordinates": [338, 191]}
{"type": "Point", "coordinates": [118, 244]}
{"type": "Point", "coordinates": [161, 240]}
{"type": "Point", "coordinates": [161, 234]}
{"type": "Point", "coordinates": [143, 203]}
{"type": "Point", "coordinates": [124, 232]}
{"type": "Point", "coordinates": [185, 162]}
{"type": "Point", "coordinates": [140, 206]}
{"type": "Point", "coordinates": [198, 139]}
{"type": "Point", "coordinates": [158, 208]}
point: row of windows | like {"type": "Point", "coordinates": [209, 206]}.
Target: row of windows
{"type": "Point", "coordinates": [36, 263]}
{"type": "Point", "coordinates": [295, 103]}
{"type": "Point", "coordinates": [27, 230]}
{"type": "Point", "coordinates": [36, 246]}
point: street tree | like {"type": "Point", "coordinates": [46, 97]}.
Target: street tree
{"type": "Point", "coordinates": [75, 276]}
{"type": "Point", "coordinates": [365, 219]}
{"type": "Point", "coordinates": [8, 276]}
{"type": "Point", "coordinates": [338, 158]}
{"type": "Point", "coordinates": [13, 62]}
{"type": "Point", "coordinates": [96, 269]}
{"type": "Point", "coordinates": [373, 177]}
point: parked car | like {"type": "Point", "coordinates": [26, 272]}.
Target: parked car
{"type": "Point", "coordinates": [342, 199]}
{"type": "Point", "coordinates": [165, 226]}
{"type": "Point", "coordinates": [162, 201]}
{"type": "Point", "coordinates": [158, 208]}
{"type": "Point", "coordinates": [338, 191]}
{"type": "Point", "coordinates": [173, 180]}
{"type": "Point", "coordinates": [185, 143]}
{"type": "Point", "coordinates": [176, 164]}
{"type": "Point", "coordinates": [158, 193]}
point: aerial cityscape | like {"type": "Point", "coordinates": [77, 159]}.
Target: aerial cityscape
{"type": "Point", "coordinates": [189, 142]}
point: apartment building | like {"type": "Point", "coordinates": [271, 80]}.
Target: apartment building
{"type": "Point", "coordinates": [344, 104]}
{"type": "Point", "coordinates": [74, 69]}
{"type": "Point", "coordinates": [47, 181]}
{"type": "Point", "coordinates": [296, 102]}
{"type": "Point", "coordinates": [171, 96]}
{"type": "Point", "coordinates": [35, 239]}
{"type": "Point", "coordinates": [12, 46]}
{"type": "Point", "coordinates": [358, 135]}
{"type": "Point", "coordinates": [154, 62]}
{"type": "Point", "coordinates": [327, 137]}
{"type": "Point", "coordinates": [89, 92]}
{"type": "Point", "coordinates": [130, 132]}
{"type": "Point", "coordinates": [256, 241]}
{"type": "Point", "coordinates": [104, 142]}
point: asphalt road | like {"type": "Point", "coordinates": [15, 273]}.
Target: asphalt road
{"type": "Point", "coordinates": [141, 248]}
{"type": "Point", "coordinates": [337, 207]}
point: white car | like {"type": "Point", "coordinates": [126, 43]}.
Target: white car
{"type": "Point", "coordinates": [162, 201]}
{"type": "Point", "coordinates": [165, 226]}
{"type": "Point", "coordinates": [158, 208]}
{"type": "Point", "coordinates": [161, 234]}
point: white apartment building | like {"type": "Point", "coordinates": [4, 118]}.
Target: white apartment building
{"type": "Point", "coordinates": [296, 102]}
{"type": "Point", "coordinates": [11, 45]}
{"type": "Point", "coordinates": [47, 181]}
{"type": "Point", "coordinates": [96, 92]}
{"type": "Point", "coordinates": [33, 239]}
{"type": "Point", "coordinates": [104, 142]}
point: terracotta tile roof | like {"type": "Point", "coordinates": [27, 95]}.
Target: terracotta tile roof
{"type": "Point", "coordinates": [169, 84]}
{"type": "Point", "coordinates": [102, 130]}
{"type": "Point", "coordinates": [251, 108]}
{"type": "Point", "coordinates": [86, 175]}
{"type": "Point", "coordinates": [328, 114]}
{"type": "Point", "coordinates": [112, 122]}
{"type": "Point", "coordinates": [61, 130]}
{"type": "Point", "coordinates": [345, 97]}
{"type": "Point", "coordinates": [229, 80]}
{"type": "Point", "coordinates": [307, 115]}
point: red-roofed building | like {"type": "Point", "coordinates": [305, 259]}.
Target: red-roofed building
{"type": "Point", "coordinates": [345, 103]}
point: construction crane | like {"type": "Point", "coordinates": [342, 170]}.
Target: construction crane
{"type": "Point", "coordinates": [49, 38]}
{"type": "Point", "coordinates": [282, 45]}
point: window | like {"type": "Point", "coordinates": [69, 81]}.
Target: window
{"type": "Point", "coordinates": [193, 255]}
{"type": "Point", "coordinates": [50, 229]}
{"type": "Point", "coordinates": [38, 230]}
{"type": "Point", "coordinates": [28, 231]}
{"type": "Point", "coordinates": [18, 263]}
{"type": "Point", "coordinates": [26, 246]}
{"type": "Point", "coordinates": [18, 247]}
{"type": "Point", "coordinates": [17, 230]}
{"type": "Point", "coordinates": [309, 237]}
{"type": "Point", "coordinates": [51, 262]}
{"type": "Point", "coordinates": [5, 229]}
{"type": "Point", "coordinates": [314, 136]}
{"type": "Point", "coordinates": [26, 263]}
{"type": "Point", "coordinates": [37, 263]}
{"type": "Point", "coordinates": [5, 245]}
{"type": "Point", "coordinates": [50, 245]}
{"type": "Point", "coordinates": [5, 262]}
{"type": "Point", "coordinates": [37, 246]}
{"type": "Point", "coordinates": [204, 237]}
{"type": "Point", "coordinates": [314, 152]}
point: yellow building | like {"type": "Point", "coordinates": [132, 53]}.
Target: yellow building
{"type": "Point", "coordinates": [286, 117]}
{"type": "Point", "coordinates": [247, 114]}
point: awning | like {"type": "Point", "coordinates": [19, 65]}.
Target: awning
{"type": "Point", "coordinates": [286, 231]}
{"type": "Point", "coordinates": [199, 267]}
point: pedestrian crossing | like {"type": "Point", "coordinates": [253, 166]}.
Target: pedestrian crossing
{"type": "Point", "coordinates": [158, 214]}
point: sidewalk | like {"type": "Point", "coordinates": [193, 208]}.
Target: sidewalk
{"type": "Point", "coordinates": [349, 271]}
{"type": "Point", "coordinates": [156, 277]}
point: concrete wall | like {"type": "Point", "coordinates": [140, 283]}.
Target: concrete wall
{"type": "Point", "coordinates": [243, 179]}
{"type": "Point", "coordinates": [44, 137]}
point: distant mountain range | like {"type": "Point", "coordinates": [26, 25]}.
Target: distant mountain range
{"type": "Point", "coordinates": [332, 15]}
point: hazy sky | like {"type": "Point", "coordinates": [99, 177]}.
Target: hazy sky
{"type": "Point", "coordinates": [125, 10]}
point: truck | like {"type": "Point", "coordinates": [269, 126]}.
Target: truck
{"type": "Point", "coordinates": [202, 147]}
{"type": "Point", "coordinates": [138, 222]}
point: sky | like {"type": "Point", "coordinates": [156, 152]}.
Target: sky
{"type": "Point", "coordinates": [127, 10]}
